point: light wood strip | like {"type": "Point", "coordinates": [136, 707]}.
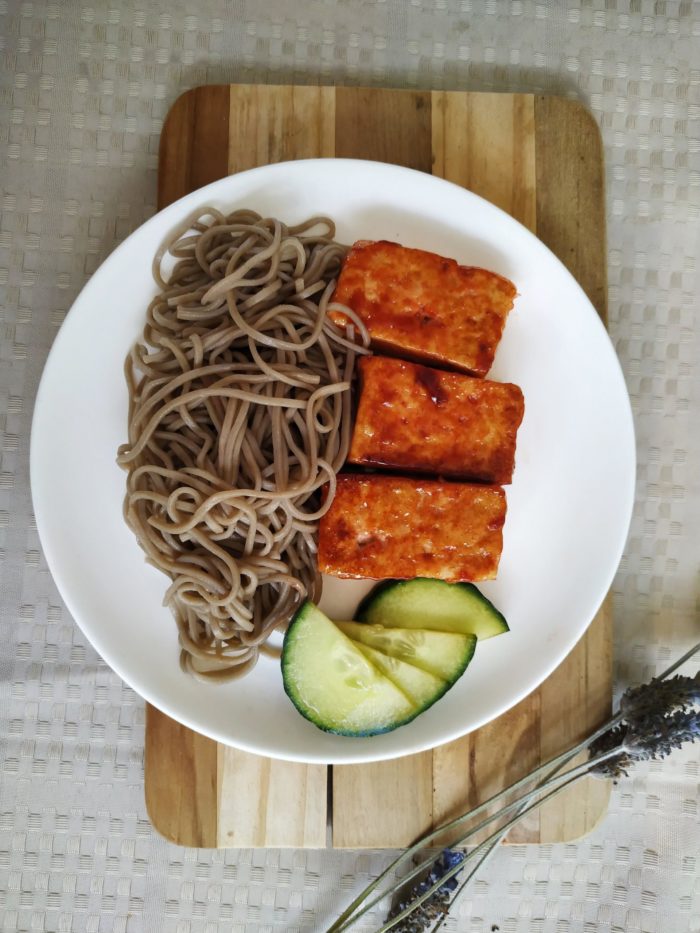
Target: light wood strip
{"type": "Point", "coordinates": [210, 803]}
{"type": "Point", "coordinates": [486, 143]}
{"type": "Point", "coordinates": [269, 124]}
{"type": "Point", "coordinates": [181, 765]}
{"type": "Point", "coordinates": [180, 781]}
{"type": "Point", "coordinates": [386, 803]}
{"type": "Point", "coordinates": [473, 768]}
{"type": "Point", "coordinates": [383, 804]}
{"type": "Point", "coordinates": [264, 802]}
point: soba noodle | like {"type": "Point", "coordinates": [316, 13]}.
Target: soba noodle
{"type": "Point", "coordinates": [239, 416]}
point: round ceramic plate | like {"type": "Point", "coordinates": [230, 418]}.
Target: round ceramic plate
{"type": "Point", "coordinates": [568, 508]}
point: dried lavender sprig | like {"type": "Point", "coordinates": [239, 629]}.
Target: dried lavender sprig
{"type": "Point", "coordinates": [437, 906]}
{"type": "Point", "coordinates": [648, 737]}
{"type": "Point", "coordinates": [465, 881]}
{"type": "Point", "coordinates": [502, 835]}
{"type": "Point", "coordinates": [650, 732]}
{"type": "Point", "coordinates": [473, 869]}
{"type": "Point", "coordinates": [486, 844]}
{"type": "Point", "coordinates": [497, 839]}
{"type": "Point", "coordinates": [652, 729]}
{"type": "Point", "coordinates": [568, 776]}
{"type": "Point", "coordinates": [558, 762]}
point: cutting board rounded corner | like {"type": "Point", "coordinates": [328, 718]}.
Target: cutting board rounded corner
{"type": "Point", "coordinates": [579, 112]}
{"type": "Point", "coordinates": [180, 782]}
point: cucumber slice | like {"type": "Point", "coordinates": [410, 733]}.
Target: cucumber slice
{"type": "Point", "coordinates": [432, 604]}
{"type": "Point", "coordinates": [443, 654]}
{"type": "Point", "coordinates": [333, 684]}
{"type": "Point", "coordinates": [422, 688]}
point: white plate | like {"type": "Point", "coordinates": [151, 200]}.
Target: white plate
{"type": "Point", "coordinates": [568, 508]}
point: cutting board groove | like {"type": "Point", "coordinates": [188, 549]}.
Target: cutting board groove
{"type": "Point", "coordinates": [540, 159]}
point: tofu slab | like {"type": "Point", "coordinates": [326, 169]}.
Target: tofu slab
{"type": "Point", "coordinates": [425, 307]}
{"type": "Point", "coordinates": [390, 527]}
{"type": "Point", "coordinates": [414, 418]}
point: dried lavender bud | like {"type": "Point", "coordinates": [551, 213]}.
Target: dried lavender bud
{"type": "Point", "coordinates": [658, 717]}
{"type": "Point", "coordinates": [438, 904]}
{"type": "Point", "coordinates": [656, 736]}
{"type": "Point", "coordinates": [423, 917]}
{"type": "Point", "coordinates": [675, 692]}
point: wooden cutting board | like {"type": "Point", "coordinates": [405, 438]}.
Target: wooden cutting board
{"type": "Point", "coordinates": [540, 159]}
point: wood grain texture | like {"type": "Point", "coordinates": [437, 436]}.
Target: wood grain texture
{"type": "Point", "coordinates": [486, 143]}
{"type": "Point", "coordinates": [384, 803]}
{"type": "Point", "coordinates": [384, 126]}
{"type": "Point", "coordinates": [275, 124]}
{"type": "Point", "coordinates": [198, 126]}
{"type": "Point", "coordinates": [180, 781]}
{"type": "Point", "coordinates": [570, 196]}
{"type": "Point", "coordinates": [571, 193]}
{"type": "Point", "coordinates": [574, 699]}
{"type": "Point", "coordinates": [264, 802]}
{"type": "Point", "coordinates": [540, 160]}
{"type": "Point", "coordinates": [387, 802]}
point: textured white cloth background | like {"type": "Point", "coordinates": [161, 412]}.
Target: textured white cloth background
{"type": "Point", "coordinates": [84, 89]}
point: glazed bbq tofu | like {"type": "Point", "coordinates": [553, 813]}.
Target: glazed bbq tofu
{"type": "Point", "coordinates": [389, 527]}
{"type": "Point", "coordinates": [425, 307]}
{"type": "Point", "coordinates": [418, 419]}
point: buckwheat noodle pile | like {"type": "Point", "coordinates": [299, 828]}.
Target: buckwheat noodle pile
{"type": "Point", "coordinates": [239, 414]}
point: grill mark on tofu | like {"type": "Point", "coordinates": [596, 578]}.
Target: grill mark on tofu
{"type": "Point", "coordinates": [413, 419]}
{"type": "Point", "coordinates": [426, 307]}
{"type": "Point", "coordinates": [391, 527]}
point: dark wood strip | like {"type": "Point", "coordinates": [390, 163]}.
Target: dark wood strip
{"type": "Point", "coordinates": [571, 192]}
{"type": "Point", "coordinates": [384, 126]}
{"type": "Point", "coordinates": [570, 196]}
{"type": "Point", "coordinates": [209, 152]}
{"type": "Point", "coordinates": [194, 143]}
{"type": "Point", "coordinates": [174, 153]}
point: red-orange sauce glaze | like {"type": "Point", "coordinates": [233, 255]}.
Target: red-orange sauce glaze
{"type": "Point", "coordinates": [383, 527]}
{"type": "Point", "coordinates": [415, 418]}
{"type": "Point", "coordinates": [425, 307]}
